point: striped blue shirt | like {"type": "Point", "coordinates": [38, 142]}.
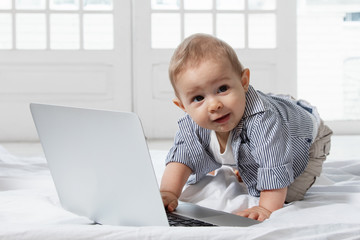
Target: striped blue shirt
{"type": "Point", "coordinates": [270, 144]}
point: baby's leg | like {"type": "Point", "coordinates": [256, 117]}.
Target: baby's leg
{"type": "Point", "coordinates": [235, 171]}
{"type": "Point", "coordinates": [318, 153]}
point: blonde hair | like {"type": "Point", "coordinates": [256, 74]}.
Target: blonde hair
{"type": "Point", "coordinates": [198, 47]}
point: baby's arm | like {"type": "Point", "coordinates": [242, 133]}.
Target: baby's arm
{"type": "Point", "coordinates": [270, 201]}
{"type": "Point", "coordinates": [172, 183]}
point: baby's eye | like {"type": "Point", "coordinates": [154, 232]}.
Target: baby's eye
{"type": "Point", "coordinates": [198, 98]}
{"type": "Point", "coordinates": [223, 88]}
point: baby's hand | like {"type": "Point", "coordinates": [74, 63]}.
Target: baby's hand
{"type": "Point", "coordinates": [170, 200]}
{"type": "Point", "coordinates": [257, 213]}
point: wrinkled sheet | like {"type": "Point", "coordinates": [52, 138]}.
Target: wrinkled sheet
{"type": "Point", "coordinates": [30, 208]}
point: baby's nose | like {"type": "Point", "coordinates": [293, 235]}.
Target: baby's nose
{"type": "Point", "coordinates": [215, 105]}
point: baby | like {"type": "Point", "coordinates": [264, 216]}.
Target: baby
{"type": "Point", "coordinates": [276, 143]}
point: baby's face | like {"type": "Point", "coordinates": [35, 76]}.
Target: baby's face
{"type": "Point", "coordinates": [213, 94]}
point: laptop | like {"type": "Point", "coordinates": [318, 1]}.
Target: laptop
{"type": "Point", "coordinates": [101, 168]}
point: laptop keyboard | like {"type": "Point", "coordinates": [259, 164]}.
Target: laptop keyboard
{"type": "Point", "coordinates": [181, 221]}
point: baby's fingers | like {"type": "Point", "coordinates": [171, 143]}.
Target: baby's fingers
{"type": "Point", "coordinates": [243, 213]}
{"type": "Point", "coordinates": [262, 217]}
{"type": "Point", "coordinates": [169, 200]}
{"type": "Point", "coordinates": [172, 205]}
{"type": "Point", "coordinates": [256, 213]}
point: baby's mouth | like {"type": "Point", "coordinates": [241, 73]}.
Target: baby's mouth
{"type": "Point", "coordinates": [223, 118]}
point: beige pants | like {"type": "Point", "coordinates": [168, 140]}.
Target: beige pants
{"type": "Point", "coordinates": [318, 152]}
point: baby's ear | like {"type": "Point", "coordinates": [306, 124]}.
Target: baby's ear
{"type": "Point", "coordinates": [245, 79]}
{"type": "Point", "coordinates": [178, 103]}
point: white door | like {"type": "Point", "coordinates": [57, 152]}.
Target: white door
{"type": "Point", "coordinates": [263, 33]}
{"type": "Point", "coordinates": [63, 52]}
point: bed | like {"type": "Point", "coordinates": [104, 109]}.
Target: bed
{"type": "Point", "coordinates": [30, 208]}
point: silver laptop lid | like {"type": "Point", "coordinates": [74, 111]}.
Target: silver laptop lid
{"type": "Point", "coordinates": [99, 173]}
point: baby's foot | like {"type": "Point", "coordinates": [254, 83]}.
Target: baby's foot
{"type": "Point", "coordinates": [238, 175]}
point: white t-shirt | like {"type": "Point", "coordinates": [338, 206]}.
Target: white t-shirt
{"type": "Point", "coordinates": [225, 158]}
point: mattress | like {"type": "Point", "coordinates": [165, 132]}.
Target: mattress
{"type": "Point", "coordinates": [30, 207]}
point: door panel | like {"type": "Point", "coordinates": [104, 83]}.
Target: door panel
{"type": "Point", "coordinates": [92, 75]}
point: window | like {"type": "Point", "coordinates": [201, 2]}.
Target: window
{"type": "Point", "coordinates": [241, 23]}
{"type": "Point", "coordinates": [56, 24]}
{"type": "Point", "coordinates": [329, 57]}
{"type": "Point", "coordinates": [261, 31]}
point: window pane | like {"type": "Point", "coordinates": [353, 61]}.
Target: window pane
{"type": "Point", "coordinates": [198, 4]}
{"type": "Point", "coordinates": [262, 4]}
{"type": "Point", "coordinates": [165, 30]}
{"type": "Point", "coordinates": [198, 23]}
{"type": "Point", "coordinates": [5, 4]}
{"type": "Point", "coordinates": [98, 4]}
{"type": "Point", "coordinates": [230, 28]}
{"type": "Point", "coordinates": [230, 4]}
{"type": "Point", "coordinates": [30, 31]}
{"type": "Point", "coordinates": [64, 31]}
{"type": "Point", "coordinates": [165, 4]}
{"type": "Point", "coordinates": [98, 31]}
{"type": "Point", "coordinates": [64, 4]}
{"type": "Point", "coordinates": [351, 86]}
{"type": "Point", "coordinates": [5, 31]}
{"type": "Point", "coordinates": [329, 57]}
{"type": "Point", "coordinates": [30, 4]}
{"type": "Point", "coordinates": [262, 30]}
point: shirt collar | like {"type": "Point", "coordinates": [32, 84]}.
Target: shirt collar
{"type": "Point", "coordinates": [254, 105]}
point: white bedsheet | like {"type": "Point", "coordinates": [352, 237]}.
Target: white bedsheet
{"type": "Point", "coordinates": [30, 209]}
